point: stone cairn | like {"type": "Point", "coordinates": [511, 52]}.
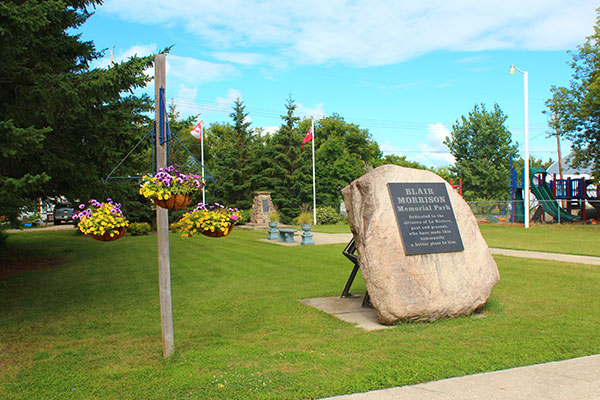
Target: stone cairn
{"type": "Point", "coordinates": [261, 208]}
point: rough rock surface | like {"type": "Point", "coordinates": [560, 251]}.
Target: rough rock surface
{"type": "Point", "coordinates": [259, 214]}
{"type": "Point", "coordinates": [423, 286]}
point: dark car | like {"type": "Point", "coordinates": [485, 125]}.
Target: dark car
{"type": "Point", "coordinates": [63, 213]}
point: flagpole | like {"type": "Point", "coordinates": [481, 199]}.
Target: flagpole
{"type": "Point", "coordinates": [312, 127]}
{"type": "Point", "coordinates": [202, 161]}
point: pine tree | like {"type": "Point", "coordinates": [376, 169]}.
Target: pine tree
{"type": "Point", "coordinates": [63, 126]}
{"type": "Point", "coordinates": [288, 171]}
{"type": "Point", "coordinates": [234, 160]}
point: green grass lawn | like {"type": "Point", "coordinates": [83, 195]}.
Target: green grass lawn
{"type": "Point", "coordinates": [565, 238]}
{"type": "Point", "coordinates": [87, 325]}
{"type": "Point", "coordinates": [554, 238]}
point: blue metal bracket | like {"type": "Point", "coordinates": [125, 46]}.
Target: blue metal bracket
{"type": "Point", "coordinates": [164, 136]}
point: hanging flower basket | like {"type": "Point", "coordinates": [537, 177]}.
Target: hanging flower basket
{"type": "Point", "coordinates": [107, 238]}
{"type": "Point", "coordinates": [175, 202]}
{"type": "Point", "coordinates": [214, 221]}
{"type": "Point", "coordinates": [218, 233]}
{"type": "Point", "coordinates": [101, 221]}
{"type": "Point", "coordinates": [169, 188]}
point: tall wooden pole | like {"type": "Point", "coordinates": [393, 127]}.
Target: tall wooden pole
{"type": "Point", "coordinates": [560, 170]}
{"type": "Point", "coordinates": [162, 215]}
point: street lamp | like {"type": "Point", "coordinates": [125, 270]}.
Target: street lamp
{"type": "Point", "coordinates": [526, 180]}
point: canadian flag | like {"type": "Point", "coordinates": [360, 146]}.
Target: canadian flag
{"type": "Point", "coordinates": [197, 131]}
{"type": "Point", "coordinates": [308, 137]}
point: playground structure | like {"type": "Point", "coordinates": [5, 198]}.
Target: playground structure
{"type": "Point", "coordinates": [574, 193]}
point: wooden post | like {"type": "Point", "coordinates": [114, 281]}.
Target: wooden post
{"type": "Point", "coordinates": [162, 215]}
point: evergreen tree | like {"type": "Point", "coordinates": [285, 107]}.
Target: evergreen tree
{"type": "Point", "coordinates": [482, 147]}
{"type": "Point", "coordinates": [287, 172]}
{"type": "Point", "coordinates": [234, 160]}
{"type": "Point", "coordinates": [75, 120]}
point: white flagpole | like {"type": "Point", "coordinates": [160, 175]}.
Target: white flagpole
{"type": "Point", "coordinates": [202, 161]}
{"type": "Point", "coordinates": [312, 127]}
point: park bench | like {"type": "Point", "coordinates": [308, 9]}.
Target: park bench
{"type": "Point", "coordinates": [286, 235]}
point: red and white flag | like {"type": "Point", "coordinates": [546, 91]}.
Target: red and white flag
{"type": "Point", "coordinates": [308, 137]}
{"type": "Point", "coordinates": [197, 131]}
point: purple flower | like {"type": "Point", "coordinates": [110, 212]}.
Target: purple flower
{"type": "Point", "coordinates": [233, 217]}
{"type": "Point", "coordinates": [81, 206]}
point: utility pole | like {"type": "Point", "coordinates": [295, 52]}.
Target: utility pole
{"type": "Point", "coordinates": [112, 57]}
{"type": "Point", "coordinates": [560, 170]}
{"type": "Point", "coordinates": [162, 214]}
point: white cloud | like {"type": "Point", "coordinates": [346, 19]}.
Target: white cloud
{"type": "Point", "coordinates": [184, 100]}
{"type": "Point", "coordinates": [437, 134]}
{"type": "Point", "coordinates": [225, 103]}
{"type": "Point", "coordinates": [196, 72]}
{"type": "Point", "coordinates": [317, 112]}
{"type": "Point", "coordinates": [187, 70]}
{"type": "Point", "coordinates": [388, 148]}
{"type": "Point", "coordinates": [435, 152]}
{"type": "Point", "coordinates": [270, 130]}
{"type": "Point", "coordinates": [240, 58]}
{"type": "Point", "coordinates": [121, 55]}
{"type": "Point", "coordinates": [367, 32]}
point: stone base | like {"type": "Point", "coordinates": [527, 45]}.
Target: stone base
{"type": "Point", "coordinates": [273, 234]}
{"type": "Point", "coordinates": [348, 310]}
{"type": "Point", "coordinates": [257, 227]}
{"type": "Point", "coordinates": [307, 238]}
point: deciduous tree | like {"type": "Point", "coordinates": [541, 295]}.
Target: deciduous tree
{"type": "Point", "coordinates": [577, 108]}
{"type": "Point", "coordinates": [482, 147]}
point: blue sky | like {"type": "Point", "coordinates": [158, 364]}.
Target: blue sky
{"type": "Point", "coordinates": [404, 70]}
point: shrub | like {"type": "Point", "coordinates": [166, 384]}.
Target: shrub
{"type": "Point", "coordinates": [3, 237]}
{"type": "Point", "coordinates": [305, 218]}
{"type": "Point", "coordinates": [139, 228]}
{"type": "Point", "coordinates": [245, 216]}
{"type": "Point", "coordinates": [327, 215]}
{"type": "Point", "coordinates": [274, 215]}
{"type": "Point", "coordinates": [176, 227]}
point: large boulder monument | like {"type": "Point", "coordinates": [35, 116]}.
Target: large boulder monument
{"type": "Point", "coordinates": [419, 247]}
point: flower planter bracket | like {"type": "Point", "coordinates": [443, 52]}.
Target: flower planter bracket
{"type": "Point", "coordinates": [164, 136]}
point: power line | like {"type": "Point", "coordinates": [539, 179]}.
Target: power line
{"type": "Point", "coordinates": [211, 106]}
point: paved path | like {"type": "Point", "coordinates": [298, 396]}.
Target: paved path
{"type": "Point", "coordinates": [548, 256]}
{"type": "Point", "coordinates": [43, 228]}
{"type": "Point", "coordinates": [333, 238]}
{"type": "Point", "coordinates": [576, 379]}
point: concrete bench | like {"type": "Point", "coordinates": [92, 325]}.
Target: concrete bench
{"type": "Point", "coordinates": [286, 235]}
